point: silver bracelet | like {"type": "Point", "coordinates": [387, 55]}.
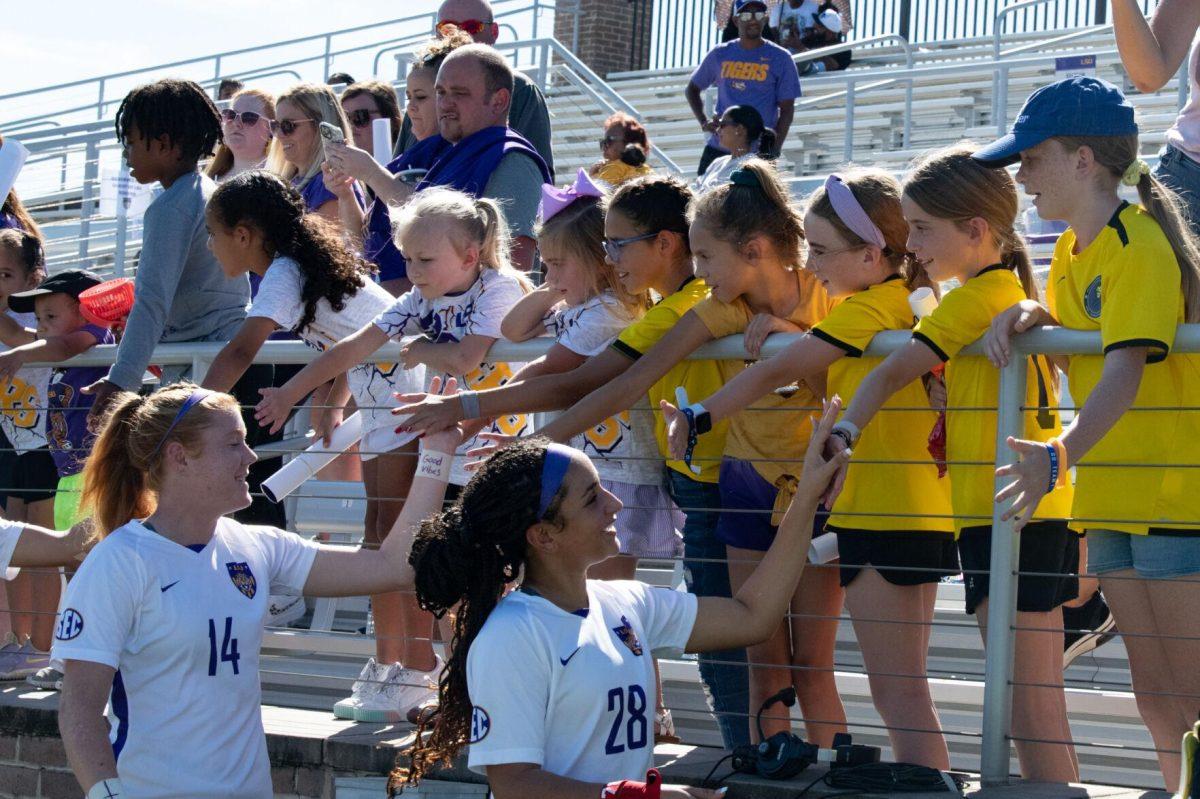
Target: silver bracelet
{"type": "Point", "coordinates": [470, 404]}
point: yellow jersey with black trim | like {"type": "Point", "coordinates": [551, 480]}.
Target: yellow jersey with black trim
{"type": "Point", "coordinates": [700, 378]}
{"type": "Point", "coordinates": [972, 391]}
{"type": "Point", "coordinates": [1127, 285]}
{"type": "Point", "coordinates": [773, 432]}
{"type": "Point", "coordinates": [892, 483]}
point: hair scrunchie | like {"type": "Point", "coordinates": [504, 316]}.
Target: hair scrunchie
{"type": "Point", "coordinates": [745, 177]}
{"type": "Point", "coordinates": [1133, 172]}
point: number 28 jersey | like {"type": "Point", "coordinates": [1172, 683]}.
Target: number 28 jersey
{"type": "Point", "coordinates": [183, 629]}
{"type": "Point", "coordinates": [574, 692]}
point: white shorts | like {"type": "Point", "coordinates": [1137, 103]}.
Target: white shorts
{"type": "Point", "coordinates": [381, 441]}
{"type": "Point", "coordinates": [649, 524]}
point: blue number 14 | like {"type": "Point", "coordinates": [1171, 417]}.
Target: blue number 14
{"type": "Point", "coordinates": [229, 651]}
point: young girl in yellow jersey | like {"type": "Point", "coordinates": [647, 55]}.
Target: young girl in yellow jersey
{"type": "Point", "coordinates": [892, 519]}
{"type": "Point", "coordinates": [960, 218]}
{"type": "Point", "coordinates": [1133, 274]}
{"type": "Point", "coordinates": [746, 238]}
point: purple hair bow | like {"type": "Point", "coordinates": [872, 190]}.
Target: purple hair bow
{"type": "Point", "coordinates": [554, 199]}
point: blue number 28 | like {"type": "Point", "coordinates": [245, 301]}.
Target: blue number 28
{"type": "Point", "coordinates": [636, 726]}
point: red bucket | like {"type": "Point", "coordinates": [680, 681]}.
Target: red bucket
{"type": "Point", "coordinates": [108, 304]}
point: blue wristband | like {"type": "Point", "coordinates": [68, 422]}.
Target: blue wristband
{"type": "Point", "coordinates": [1053, 453]}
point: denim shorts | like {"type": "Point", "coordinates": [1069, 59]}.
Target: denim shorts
{"type": "Point", "coordinates": [1181, 174]}
{"type": "Point", "coordinates": [1155, 557]}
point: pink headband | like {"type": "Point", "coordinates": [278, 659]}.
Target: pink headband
{"type": "Point", "coordinates": [851, 212]}
{"type": "Point", "coordinates": [554, 199]}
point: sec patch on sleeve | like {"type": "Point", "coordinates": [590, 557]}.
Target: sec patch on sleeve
{"type": "Point", "coordinates": [70, 625]}
{"type": "Point", "coordinates": [481, 724]}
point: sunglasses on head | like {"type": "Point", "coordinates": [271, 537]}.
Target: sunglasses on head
{"type": "Point", "coordinates": [362, 117]}
{"type": "Point", "coordinates": [471, 27]}
{"type": "Point", "coordinates": [248, 118]}
{"type": "Point", "coordinates": [287, 127]}
{"type": "Point", "coordinates": [752, 16]}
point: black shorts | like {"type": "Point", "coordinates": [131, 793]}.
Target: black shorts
{"type": "Point", "coordinates": [34, 476]}
{"type": "Point", "coordinates": [1047, 547]}
{"type": "Point", "coordinates": [8, 464]}
{"type": "Point", "coordinates": [902, 557]}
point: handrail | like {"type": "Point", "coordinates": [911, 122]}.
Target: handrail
{"type": "Point", "coordinates": [1002, 15]}
{"type": "Point", "coordinates": [821, 52]}
{"type": "Point", "coordinates": [1081, 33]}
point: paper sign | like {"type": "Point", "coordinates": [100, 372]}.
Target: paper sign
{"type": "Point", "coordinates": [117, 186]}
{"type": "Point", "coordinates": [12, 158]}
{"type": "Point", "coordinates": [1074, 66]}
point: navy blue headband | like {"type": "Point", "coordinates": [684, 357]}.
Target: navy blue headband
{"type": "Point", "coordinates": [197, 396]}
{"type": "Point", "coordinates": [554, 469]}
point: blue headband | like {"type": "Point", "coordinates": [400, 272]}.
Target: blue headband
{"type": "Point", "coordinates": [198, 396]}
{"type": "Point", "coordinates": [554, 469]}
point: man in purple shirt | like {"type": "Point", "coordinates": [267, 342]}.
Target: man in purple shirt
{"type": "Point", "coordinates": [748, 70]}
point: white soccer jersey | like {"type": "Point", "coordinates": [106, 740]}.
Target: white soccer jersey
{"type": "Point", "coordinates": [478, 311]}
{"type": "Point", "coordinates": [183, 629]}
{"type": "Point", "coordinates": [574, 694]}
{"type": "Point", "coordinates": [622, 447]}
{"type": "Point", "coordinates": [23, 399]}
{"type": "Point", "coordinates": [371, 384]}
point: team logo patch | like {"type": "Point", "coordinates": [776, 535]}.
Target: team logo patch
{"type": "Point", "coordinates": [243, 578]}
{"type": "Point", "coordinates": [1091, 299]}
{"type": "Point", "coordinates": [481, 724]}
{"type": "Point", "coordinates": [628, 637]}
{"type": "Point", "coordinates": [70, 625]}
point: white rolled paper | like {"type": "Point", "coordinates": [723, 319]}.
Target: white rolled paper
{"type": "Point", "coordinates": [12, 158]}
{"type": "Point", "coordinates": [922, 301]}
{"type": "Point", "coordinates": [299, 469]}
{"type": "Point", "coordinates": [381, 139]}
{"type": "Point", "coordinates": [823, 548]}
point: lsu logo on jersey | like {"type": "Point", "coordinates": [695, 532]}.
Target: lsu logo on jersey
{"type": "Point", "coordinates": [481, 724]}
{"type": "Point", "coordinates": [19, 402]}
{"type": "Point", "coordinates": [243, 578]}
{"type": "Point", "coordinates": [605, 437]}
{"type": "Point", "coordinates": [70, 625]}
{"type": "Point", "coordinates": [628, 637]}
{"type": "Point", "coordinates": [1091, 299]}
{"type": "Point", "coordinates": [495, 375]}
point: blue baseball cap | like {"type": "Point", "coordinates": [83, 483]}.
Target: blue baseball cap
{"type": "Point", "coordinates": [1079, 106]}
{"type": "Point", "coordinates": [740, 4]}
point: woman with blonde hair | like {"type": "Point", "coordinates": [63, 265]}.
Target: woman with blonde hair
{"type": "Point", "coordinates": [245, 133]}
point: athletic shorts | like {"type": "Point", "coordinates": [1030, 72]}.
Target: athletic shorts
{"type": "Point", "coordinates": [902, 557]}
{"type": "Point", "coordinates": [1155, 557]}
{"type": "Point", "coordinates": [747, 502]}
{"type": "Point", "coordinates": [35, 477]}
{"type": "Point", "coordinates": [649, 523]}
{"type": "Point", "coordinates": [1047, 548]}
{"type": "Point", "coordinates": [381, 441]}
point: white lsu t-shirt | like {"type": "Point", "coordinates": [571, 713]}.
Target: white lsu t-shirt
{"type": "Point", "coordinates": [371, 384]}
{"type": "Point", "coordinates": [574, 694]}
{"type": "Point", "coordinates": [622, 447]}
{"type": "Point", "coordinates": [23, 399]}
{"type": "Point", "coordinates": [478, 311]}
{"type": "Point", "coordinates": [184, 630]}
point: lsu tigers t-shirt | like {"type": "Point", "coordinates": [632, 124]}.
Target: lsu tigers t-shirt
{"type": "Point", "coordinates": [761, 77]}
{"type": "Point", "coordinates": [895, 480]}
{"type": "Point", "coordinates": [1126, 284]}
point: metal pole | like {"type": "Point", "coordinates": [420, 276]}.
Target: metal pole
{"type": "Point", "coordinates": [1001, 98]}
{"type": "Point", "coordinates": [848, 145]}
{"type": "Point", "coordinates": [87, 205]}
{"type": "Point", "coordinates": [217, 72]}
{"type": "Point", "coordinates": [905, 27]}
{"type": "Point", "coordinates": [1002, 590]}
{"type": "Point", "coordinates": [100, 100]}
{"type": "Point", "coordinates": [122, 221]}
{"type": "Point", "coordinates": [327, 60]}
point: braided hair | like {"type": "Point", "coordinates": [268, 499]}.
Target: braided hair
{"type": "Point", "coordinates": [263, 201]}
{"type": "Point", "coordinates": [465, 557]}
{"type": "Point", "coordinates": [178, 109]}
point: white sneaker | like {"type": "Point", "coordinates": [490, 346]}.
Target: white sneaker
{"type": "Point", "coordinates": [368, 683]}
{"type": "Point", "coordinates": [402, 690]}
{"type": "Point", "coordinates": [283, 610]}
{"type": "Point", "coordinates": [47, 679]}
{"type": "Point", "coordinates": [25, 661]}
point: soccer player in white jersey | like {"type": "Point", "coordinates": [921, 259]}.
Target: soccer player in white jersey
{"type": "Point", "coordinates": [552, 684]}
{"type": "Point", "coordinates": [165, 614]}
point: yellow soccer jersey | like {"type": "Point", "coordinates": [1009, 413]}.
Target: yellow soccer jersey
{"type": "Point", "coordinates": [700, 378]}
{"type": "Point", "coordinates": [773, 432]}
{"type": "Point", "coordinates": [972, 383]}
{"type": "Point", "coordinates": [884, 495]}
{"type": "Point", "coordinates": [1126, 284]}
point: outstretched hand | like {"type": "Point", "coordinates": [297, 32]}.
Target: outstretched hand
{"type": "Point", "coordinates": [427, 412]}
{"type": "Point", "coordinates": [446, 439]}
{"type": "Point", "coordinates": [274, 408]}
{"type": "Point", "coordinates": [677, 429]}
{"type": "Point", "coordinates": [997, 342]}
{"type": "Point", "coordinates": [1032, 473]}
{"type": "Point", "coordinates": [824, 475]}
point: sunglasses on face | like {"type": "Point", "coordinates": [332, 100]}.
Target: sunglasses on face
{"type": "Point", "coordinates": [286, 127]}
{"type": "Point", "coordinates": [248, 118]}
{"type": "Point", "coordinates": [471, 27]}
{"type": "Point", "coordinates": [752, 16]}
{"type": "Point", "coordinates": [613, 247]}
{"type": "Point", "coordinates": [362, 117]}
{"type": "Point", "coordinates": [607, 140]}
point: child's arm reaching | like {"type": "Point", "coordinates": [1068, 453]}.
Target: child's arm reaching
{"type": "Point", "coordinates": [451, 357]}
{"type": "Point", "coordinates": [13, 333]}
{"type": "Point", "coordinates": [46, 350]}
{"type": "Point", "coordinates": [235, 357]}
{"type": "Point", "coordinates": [527, 319]}
{"type": "Point", "coordinates": [277, 403]}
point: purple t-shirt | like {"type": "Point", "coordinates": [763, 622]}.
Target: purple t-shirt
{"type": "Point", "coordinates": [9, 221]}
{"type": "Point", "coordinates": [66, 422]}
{"type": "Point", "coordinates": [315, 194]}
{"type": "Point", "coordinates": [762, 78]}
